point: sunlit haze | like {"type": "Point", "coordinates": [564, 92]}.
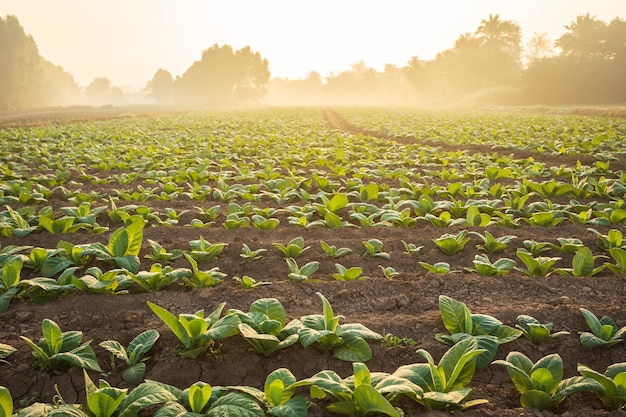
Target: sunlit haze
{"type": "Point", "coordinates": [127, 41]}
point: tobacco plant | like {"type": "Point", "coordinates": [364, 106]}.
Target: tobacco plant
{"type": "Point", "coordinates": [160, 254]}
{"type": "Point", "coordinates": [346, 341]}
{"type": "Point", "coordinates": [539, 266]}
{"type": "Point", "coordinates": [613, 383]}
{"type": "Point", "coordinates": [133, 354]}
{"type": "Point", "coordinates": [202, 279]}
{"type": "Point", "coordinates": [124, 245]}
{"type": "Point", "coordinates": [293, 249]}
{"type": "Point", "coordinates": [333, 252]}
{"type": "Point", "coordinates": [298, 274]}
{"type": "Point", "coordinates": [57, 350]}
{"type": "Point", "coordinates": [195, 331]}
{"type": "Point", "coordinates": [248, 253]}
{"type": "Point", "coordinates": [583, 264]}
{"type": "Point", "coordinates": [488, 331]}
{"type": "Point", "coordinates": [374, 249]}
{"type": "Point", "coordinates": [450, 243]}
{"type": "Point", "coordinates": [265, 326]}
{"type": "Point", "coordinates": [203, 251]}
{"type": "Point", "coordinates": [444, 386]}
{"type": "Point", "coordinates": [493, 244]}
{"type": "Point", "coordinates": [484, 266]}
{"type": "Point", "coordinates": [348, 274]}
{"type": "Point", "coordinates": [6, 402]}
{"type": "Point", "coordinates": [249, 282]}
{"type": "Point", "coordinates": [10, 281]}
{"type": "Point", "coordinates": [541, 384]}
{"type": "Point", "coordinates": [158, 277]}
{"type": "Point", "coordinates": [362, 393]}
{"type": "Point", "coordinates": [604, 331]}
{"type": "Point", "coordinates": [535, 331]}
{"type": "Point", "coordinates": [436, 268]}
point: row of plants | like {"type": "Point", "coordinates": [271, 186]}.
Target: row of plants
{"type": "Point", "coordinates": [474, 339]}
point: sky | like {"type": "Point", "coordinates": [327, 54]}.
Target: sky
{"type": "Point", "coordinates": [127, 41]}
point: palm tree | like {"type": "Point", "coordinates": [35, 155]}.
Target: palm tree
{"type": "Point", "coordinates": [500, 35]}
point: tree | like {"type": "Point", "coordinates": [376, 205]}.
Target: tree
{"type": "Point", "coordinates": [161, 87]}
{"type": "Point", "coordinates": [223, 77]}
{"type": "Point", "coordinates": [502, 40]}
{"type": "Point", "coordinates": [101, 92]}
{"type": "Point", "coordinates": [19, 65]}
{"type": "Point", "coordinates": [539, 47]}
{"type": "Point", "coordinates": [586, 38]}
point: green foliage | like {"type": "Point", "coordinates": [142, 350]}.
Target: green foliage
{"type": "Point", "coordinates": [158, 277]}
{"type": "Point", "coordinates": [488, 331]}
{"type": "Point", "coordinates": [102, 400]}
{"type": "Point", "coordinates": [540, 266]}
{"type": "Point", "coordinates": [492, 244]}
{"type": "Point", "coordinates": [133, 355]}
{"type": "Point", "coordinates": [10, 281]}
{"type": "Point", "coordinates": [298, 274]}
{"type": "Point", "coordinates": [57, 350]}
{"type": "Point", "coordinates": [346, 341]}
{"type": "Point", "coordinates": [450, 243]}
{"type": "Point", "coordinates": [498, 268]}
{"type": "Point", "coordinates": [613, 383]}
{"type": "Point", "coordinates": [248, 253]}
{"type": "Point", "coordinates": [160, 254]}
{"type": "Point", "coordinates": [195, 331]}
{"type": "Point", "coordinates": [619, 255]}
{"type": "Point", "coordinates": [249, 282]}
{"type": "Point", "coordinates": [535, 331]}
{"type": "Point", "coordinates": [411, 248]}
{"type": "Point", "coordinates": [348, 274]}
{"type": "Point", "coordinates": [583, 264]}
{"type": "Point", "coordinates": [332, 252]}
{"type": "Point", "coordinates": [203, 251]}
{"type": "Point", "coordinates": [124, 245]}
{"type": "Point", "coordinates": [444, 385]}
{"type": "Point", "coordinates": [389, 272]}
{"type": "Point", "coordinates": [293, 249]}
{"type": "Point", "coordinates": [541, 384]}
{"type": "Point", "coordinates": [362, 393]}
{"type": "Point", "coordinates": [202, 279]}
{"type": "Point", "coordinates": [436, 268]}
{"type": "Point", "coordinates": [613, 239]}
{"type": "Point", "coordinates": [265, 326]}
{"type": "Point", "coordinates": [374, 249]}
{"type": "Point", "coordinates": [6, 402]}
{"type": "Point", "coordinates": [604, 331]}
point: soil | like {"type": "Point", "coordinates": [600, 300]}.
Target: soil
{"type": "Point", "coordinates": [405, 306]}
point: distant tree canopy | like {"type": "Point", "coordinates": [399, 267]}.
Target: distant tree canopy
{"type": "Point", "coordinates": [223, 77]}
{"type": "Point", "coordinates": [26, 79]}
{"type": "Point", "coordinates": [161, 87]}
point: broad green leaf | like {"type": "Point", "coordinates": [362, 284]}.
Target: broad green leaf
{"type": "Point", "coordinates": [6, 402]}
{"type": "Point", "coordinates": [235, 405]}
{"type": "Point", "coordinates": [199, 396]}
{"type": "Point", "coordinates": [337, 202]}
{"type": "Point", "coordinates": [536, 399]}
{"type": "Point", "coordinates": [354, 350]}
{"type": "Point", "coordinates": [368, 400]}
{"type": "Point", "coordinates": [455, 315]}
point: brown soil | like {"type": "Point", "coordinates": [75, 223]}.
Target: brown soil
{"type": "Point", "coordinates": [406, 306]}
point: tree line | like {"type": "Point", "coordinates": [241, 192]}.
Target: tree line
{"type": "Point", "coordinates": [586, 65]}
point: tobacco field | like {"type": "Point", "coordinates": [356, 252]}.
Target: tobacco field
{"type": "Point", "coordinates": [308, 261]}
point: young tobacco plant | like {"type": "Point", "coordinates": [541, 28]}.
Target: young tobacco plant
{"type": "Point", "coordinates": [604, 331]}
{"type": "Point", "coordinates": [333, 252]}
{"type": "Point", "coordinates": [124, 245]}
{"type": "Point", "coordinates": [202, 279]}
{"type": "Point", "coordinates": [254, 255]}
{"type": "Point", "coordinates": [348, 274]}
{"type": "Point", "coordinates": [613, 382]}
{"type": "Point", "coordinates": [57, 350]}
{"type": "Point", "coordinates": [362, 393]}
{"type": "Point", "coordinates": [374, 249]}
{"type": "Point", "coordinates": [619, 256]}
{"type": "Point", "coordinates": [195, 331]}
{"type": "Point", "coordinates": [488, 331]}
{"type": "Point", "coordinates": [10, 281]}
{"type": "Point", "coordinates": [346, 341]}
{"type": "Point", "coordinates": [6, 402]}
{"type": "Point", "coordinates": [293, 249]}
{"type": "Point", "coordinates": [613, 239]}
{"type": "Point", "coordinates": [436, 268]}
{"type": "Point", "coordinates": [535, 331]}
{"type": "Point", "coordinates": [388, 271]}
{"type": "Point", "coordinates": [160, 254]}
{"type": "Point", "coordinates": [491, 244]}
{"type": "Point", "coordinates": [265, 326]}
{"type": "Point", "coordinates": [485, 267]}
{"type": "Point", "coordinates": [411, 248]}
{"type": "Point", "coordinates": [203, 251]}
{"type": "Point", "coordinates": [133, 354]}
{"type": "Point", "coordinates": [158, 277]}
{"type": "Point", "coordinates": [583, 264]}
{"type": "Point", "coordinates": [444, 385]}
{"type": "Point", "coordinates": [451, 244]}
{"type": "Point", "coordinates": [298, 274]}
{"type": "Point", "coordinates": [249, 282]}
{"type": "Point", "coordinates": [541, 384]}
{"type": "Point", "coordinates": [540, 266]}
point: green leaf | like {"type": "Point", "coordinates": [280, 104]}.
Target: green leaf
{"type": "Point", "coordinates": [455, 315]}
{"type": "Point", "coordinates": [337, 202]}
{"type": "Point", "coordinates": [536, 399]}
{"type": "Point", "coordinates": [172, 322]}
{"type": "Point", "coordinates": [368, 400]}
{"type": "Point", "coordinates": [235, 405]}
{"type": "Point", "coordinates": [354, 350]}
{"type": "Point", "coordinates": [199, 396]}
{"type": "Point", "coordinates": [6, 402]}
{"type": "Point", "coordinates": [135, 373]}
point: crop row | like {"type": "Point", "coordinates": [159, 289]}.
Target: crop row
{"type": "Point", "coordinates": [474, 338]}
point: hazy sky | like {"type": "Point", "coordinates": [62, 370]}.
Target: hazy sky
{"type": "Point", "coordinates": [128, 40]}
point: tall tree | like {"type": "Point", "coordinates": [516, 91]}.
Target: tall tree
{"type": "Point", "coordinates": [585, 38]}
{"type": "Point", "coordinates": [223, 77]}
{"type": "Point", "coordinates": [19, 65]}
{"type": "Point", "coordinates": [502, 40]}
{"type": "Point", "coordinates": [161, 87]}
{"type": "Point", "coordinates": [539, 47]}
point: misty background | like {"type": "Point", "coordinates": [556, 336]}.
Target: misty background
{"type": "Point", "coordinates": [490, 66]}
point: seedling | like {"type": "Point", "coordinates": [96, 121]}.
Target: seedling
{"type": "Point", "coordinates": [265, 326]}
{"type": "Point", "coordinates": [160, 254]}
{"type": "Point", "coordinates": [613, 239]}
{"type": "Point", "coordinates": [158, 277]}
{"type": "Point", "coordinates": [451, 244]}
{"type": "Point", "coordinates": [389, 272]}
{"type": "Point", "coordinates": [202, 279]}
{"type": "Point", "coordinates": [293, 249]}
{"type": "Point", "coordinates": [444, 385]}
{"type": "Point", "coordinates": [203, 251]}
{"type": "Point", "coordinates": [619, 255]}
{"type": "Point", "coordinates": [263, 223]}
{"type": "Point", "coordinates": [249, 282]}
{"type": "Point", "coordinates": [332, 252]}
{"type": "Point", "coordinates": [540, 266]}
{"type": "Point", "coordinates": [583, 264]}
{"type": "Point", "coordinates": [492, 244]}
{"type": "Point", "coordinates": [488, 331]}
{"type": "Point", "coordinates": [298, 274]}
{"type": "Point", "coordinates": [195, 331]}
{"type": "Point", "coordinates": [391, 340]}
{"type": "Point", "coordinates": [535, 331]}
{"type": "Point", "coordinates": [58, 350]}
{"type": "Point", "coordinates": [604, 331]}
{"type": "Point", "coordinates": [436, 268]}
{"type": "Point", "coordinates": [374, 249]}
{"type": "Point", "coordinates": [346, 341]}
{"type": "Point", "coordinates": [541, 384]}
{"type": "Point", "coordinates": [348, 274]}
{"type": "Point", "coordinates": [485, 267]}
{"type": "Point", "coordinates": [133, 355]}
{"type": "Point", "coordinates": [536, 248]}
{"type": "Point", "coordinates": [613, 382]}
{"type": "Point", "coordinates": [411, 248]}
{"type": "Point", "coordinates": [248, 253]}
{"type": "Point", "coordinates": [567, 245]}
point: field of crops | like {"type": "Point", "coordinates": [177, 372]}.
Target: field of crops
{"type": "Point", "coordinates": [276, 255]}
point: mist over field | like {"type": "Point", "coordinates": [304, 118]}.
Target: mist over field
{"type": "Point", "coordinates": [491, 65]}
